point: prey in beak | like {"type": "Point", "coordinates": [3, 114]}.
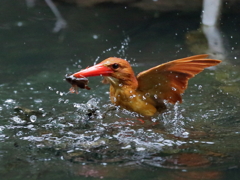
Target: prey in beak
{"type": "Point", "coordinates": [79, 80]}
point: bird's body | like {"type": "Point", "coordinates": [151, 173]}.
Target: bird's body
{"type": "Point", "coordinates": [133, 100]}
{"type": "Point", "coordinates": [145, 93]}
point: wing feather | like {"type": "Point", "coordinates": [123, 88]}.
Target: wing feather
{"type": "Point", "coordinates": [169, 80]}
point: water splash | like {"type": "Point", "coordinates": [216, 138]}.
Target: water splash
{"type": "Point", "coordinates": [90, 109]}
{"type": "Point", "coordinates": [9, 103]}
{"type": "Point", "coordinates": [121, 52]}
{"type": "Point", "coordinates": [146, 141]}
{"type": "Point", "coordinates": [174, 121]}
{"type": "Point", "coordinates": [124, 47]}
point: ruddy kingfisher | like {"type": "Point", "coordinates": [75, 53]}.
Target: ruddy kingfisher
{"type": "Point", "coordinates": [146, 92]}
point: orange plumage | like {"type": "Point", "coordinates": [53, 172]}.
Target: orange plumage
{"type": "Point", "coordinates": [145, 93]}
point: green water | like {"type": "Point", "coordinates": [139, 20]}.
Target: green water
{"type": "Point", "coordinates": [57, 135]}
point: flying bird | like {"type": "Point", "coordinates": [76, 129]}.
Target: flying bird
{"type": "Point", "coordinates": [147, 92]}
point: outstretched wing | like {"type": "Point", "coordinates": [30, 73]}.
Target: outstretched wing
{"type": "Point", "coordinates": [169, 80]}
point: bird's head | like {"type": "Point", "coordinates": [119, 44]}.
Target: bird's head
{"type": "Point", "coordinates": [115, 70]}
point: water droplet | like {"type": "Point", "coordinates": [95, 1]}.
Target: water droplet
{"type": "Point", "coordinates": [174, 89]}
{"type": "Point", "coordinates": [18, 120]}
{"type": "Point", "coordinates": [60, 100]}
{"type": "Point", "coordinates": [2, 128]}
{"type": "Point", "coordinates": [147, 94]}
{"type": "Point", "coordinates": [104, 164]}
{"type": "Point", "coordinates": [38, 100]}
{"type": "Point", "coordinates": [95, 36]}
{"type": "Point", "coordinates": [126, 147]}
{"type": "Point", "coordinates": [209, 142]}
{"type": "Point", "coordinates": [33, 118]}
{"type": "Point", "coordinates": [30, 126]}
{"type": "Point", "coordinates": [66, 101]}
{"type": "Point", "coordinates": [185, 133]}
{"type": "Point", "coordinates": [168, 142]}
{"type": "Point", "coordinates": [19, 133]}
{"type": "Point", "coordinates": [140, 149]}
{"type": "Point", "coordinates": [10, 101]}
{"type": "Point", "coordinates": [19, 24]}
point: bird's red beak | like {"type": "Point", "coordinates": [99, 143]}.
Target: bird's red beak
{"type": "Point", "coordinates": [97, 70]}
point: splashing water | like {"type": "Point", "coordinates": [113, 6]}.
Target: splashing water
{"type": "Point", "coordinates": [176, 123]}
{"type": "Point", "coordinates": [121, 52]}
{"type": "Point", "coordinates": [124, 47]}
{"type": "Point", "coordinates": [90, 109]}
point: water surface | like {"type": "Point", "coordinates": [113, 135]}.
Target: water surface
{"type": "Point", "coordinates": [48, 133]}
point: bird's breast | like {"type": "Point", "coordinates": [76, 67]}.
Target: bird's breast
{"type": "Point", "coordinates": [132, 100]}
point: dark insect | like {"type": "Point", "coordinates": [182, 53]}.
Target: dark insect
{"type": "Point", "coordinates": [77, 83]}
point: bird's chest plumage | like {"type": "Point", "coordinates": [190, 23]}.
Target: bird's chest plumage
{"type": "Point", "coordinates": [132, 100]}
{"type": "Point", "coordinates": [121, 97]}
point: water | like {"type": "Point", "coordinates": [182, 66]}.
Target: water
{"type": "Point", "coordinates": [48, 133]}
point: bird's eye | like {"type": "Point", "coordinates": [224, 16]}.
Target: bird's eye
{"type": "Point", "coordinates": [115, 66]}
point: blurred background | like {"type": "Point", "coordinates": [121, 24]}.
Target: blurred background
{"type": "Point", "coordinates": [48, 133]}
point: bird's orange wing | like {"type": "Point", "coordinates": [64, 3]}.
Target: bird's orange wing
{"type": "Point", "coordinates": [169, 80]}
